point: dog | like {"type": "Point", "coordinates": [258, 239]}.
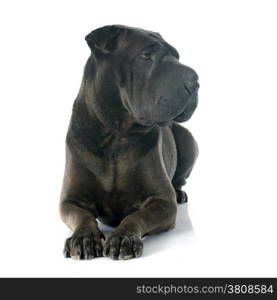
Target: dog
{"type": "Point", "coordinates": [127, 157]}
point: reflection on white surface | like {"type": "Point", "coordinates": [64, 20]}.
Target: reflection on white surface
{"type": "Point", "coordinates": [154, 244]}
{"type": "Point", "coordinates": [158, 242]}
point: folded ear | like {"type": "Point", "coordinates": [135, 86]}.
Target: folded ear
{"type": "Point", "coordinates": [104, 38]}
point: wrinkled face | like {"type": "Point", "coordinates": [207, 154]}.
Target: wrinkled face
{"type": "Point", "coordinates": [154, 86]}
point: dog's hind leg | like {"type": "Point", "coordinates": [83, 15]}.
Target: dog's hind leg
{"type": "Point", "coordinates": [187, 152]}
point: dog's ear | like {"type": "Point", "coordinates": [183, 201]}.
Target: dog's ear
{"type": "Point", "coordinates": [171, 48]}
{"type": "Point", "coordinates": [103, 39]}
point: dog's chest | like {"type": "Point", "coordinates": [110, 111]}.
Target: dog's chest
{"type": "Point", "coordinates": [119, 175]}
{"type": "Point", "coordinates": [117, 164]}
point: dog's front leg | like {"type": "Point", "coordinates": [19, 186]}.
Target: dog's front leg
{"type": "Point", "coordinates": [85, 243]}
{"type": "Point", "coordinates": [155, 216]}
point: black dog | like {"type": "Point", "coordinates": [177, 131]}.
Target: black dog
{"type": "Point", "coordinates": [126, 157]}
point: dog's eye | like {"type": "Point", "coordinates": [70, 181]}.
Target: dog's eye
{"type": "Point", "coordinates": [146, 56]}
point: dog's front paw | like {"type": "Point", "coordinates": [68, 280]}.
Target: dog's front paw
{"type": "Point", "coordinates": [83, 245]}
{"type": "Point", "coordinates": [123, 246]}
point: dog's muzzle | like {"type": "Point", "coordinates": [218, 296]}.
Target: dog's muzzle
{"type": "Point", "coordinates": [191, 90]}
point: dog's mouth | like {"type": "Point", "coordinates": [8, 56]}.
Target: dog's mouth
{"type": "Point", "coordinates": [188, 110]}
{"type": "Point", "coordinates": [162, 124]}
{"type": "Point", "coordinates": [182, 116]}
{"type": "Point", "coordinates": [142, 126]}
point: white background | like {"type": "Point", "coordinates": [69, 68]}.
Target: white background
{"type": "Point", "coordinates": [229, 226]}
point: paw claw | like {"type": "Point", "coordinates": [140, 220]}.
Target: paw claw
{"type": "Point", "coordinates": [83, 245]}
{"type": "Point", "coordinates": [123, 247]}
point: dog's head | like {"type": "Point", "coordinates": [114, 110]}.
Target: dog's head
{"type": "Point", "coordinates": [153, 86]}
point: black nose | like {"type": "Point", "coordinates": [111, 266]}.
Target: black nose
{"type": "Point", "coordinates": [191, 87]}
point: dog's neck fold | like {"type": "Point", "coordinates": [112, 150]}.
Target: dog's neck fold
{"type": "Point", "coordinates": [106, 111]}
{"type": "Point", "coordinates": [105, 116]}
